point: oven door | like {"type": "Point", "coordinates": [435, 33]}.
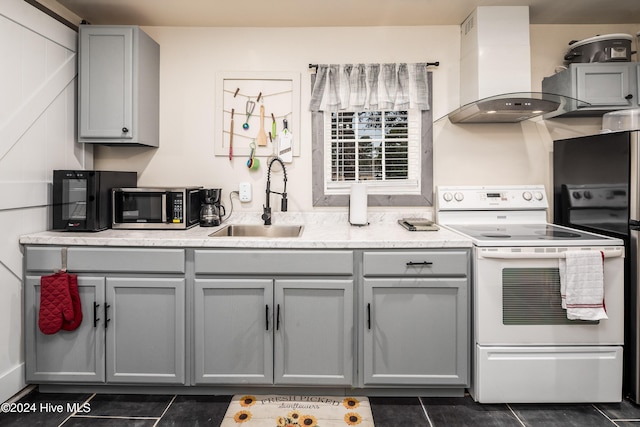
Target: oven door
{"type": "Point", "coordinates": [517, 299]}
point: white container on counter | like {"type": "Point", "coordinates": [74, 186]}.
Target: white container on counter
{"type": "Point", "coordinates": [358, 204]}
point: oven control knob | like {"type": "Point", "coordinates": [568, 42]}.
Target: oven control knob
{"type": "Point", "coordinates": [576, 195]}
{"type": "Point", "coordinates": [527, 195]}
{"type": "Point", "coordinates": [538, 195]}
{"type": "Point", "coordinates": [447, 197]}
{"type": "Point", "coordinates": [587, 194]}
{"type": "Point", "coordinates": [459, 197]}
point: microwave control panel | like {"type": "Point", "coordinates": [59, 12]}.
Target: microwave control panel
{"type": "Point", "coordinates": [177, 201]}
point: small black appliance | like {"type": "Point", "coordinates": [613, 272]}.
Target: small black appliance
{"type": "Point", "coordinates": [82, 198]}
{"type": "Point", "coordinates": [211, 211]}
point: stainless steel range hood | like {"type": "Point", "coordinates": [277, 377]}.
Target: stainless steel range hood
{"type": "Point", "coordinates": [495, 69]}
{"type": "Point", "coordinates": [507, 108]}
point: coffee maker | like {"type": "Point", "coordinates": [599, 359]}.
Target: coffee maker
{"type": "Point", "coordinates": [211, 211]}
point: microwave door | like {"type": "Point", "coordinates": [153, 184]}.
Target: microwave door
{"type": "Point", "coordinates": [139, 207]}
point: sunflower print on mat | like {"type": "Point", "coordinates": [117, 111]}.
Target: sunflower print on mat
{"type": "Point", "coordinates": [294, 419]}
{"type": "Point", "coordinates": [308, 420]}
{"type": "Point", "coordinates": [351, 403]}
{"type": "Point", "coordinates": [246, 401]}
{"type": "Point", "coordinates": [352, 418]}
{"type": "Point", "coordinates": [242, 417]}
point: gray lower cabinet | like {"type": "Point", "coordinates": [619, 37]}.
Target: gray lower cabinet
{"type": "Point", "coordinates": [134, 325]}
{"type": "Point", "coordinates": [255, 325]}
{"type": "Point", "coordinates": [233, 331]}
{"type": "Point", "coordinates": [145, 330]}
{"type": "Point", "coordinates": [77, 356]}
{"type": "Point", "coordinates": [415, 314]}
{"type": "Point", "coordinates": [314, 332]}
{"type": "Point", "coordinates": [264, 331]}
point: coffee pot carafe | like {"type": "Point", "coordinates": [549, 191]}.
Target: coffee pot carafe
{"type": "Point", "coordinates": [211, 211]}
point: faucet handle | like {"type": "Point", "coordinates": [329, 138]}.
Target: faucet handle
{"type": "Point", "coordinates": [266, 215]}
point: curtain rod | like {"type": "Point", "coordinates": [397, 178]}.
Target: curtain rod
{"type": "Point", "coordinates": [435, 64]}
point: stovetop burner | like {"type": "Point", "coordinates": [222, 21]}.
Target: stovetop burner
{"type": "Point", "coordinates": [558, 233]}
{"type": "Point", "coordinates": [525, 234]}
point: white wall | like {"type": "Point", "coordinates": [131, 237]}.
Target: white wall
{"type": "Point", "coordinates": [37, 133]}
{"type": "Point", "coordinates": [481, 154]}
{"type": "Point", "coordinates": [190, 58]}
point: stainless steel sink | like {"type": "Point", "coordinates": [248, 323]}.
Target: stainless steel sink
{"type": "Point", "coordinates": [258, 230]}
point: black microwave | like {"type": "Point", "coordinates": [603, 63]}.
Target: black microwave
{"type": "Point", "coordinates": [82, 198]}
{"type": "Point", "coordinates": [156, 208]}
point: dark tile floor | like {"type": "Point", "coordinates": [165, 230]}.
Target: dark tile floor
{"type": "Point", "coordinates": [106, 410]}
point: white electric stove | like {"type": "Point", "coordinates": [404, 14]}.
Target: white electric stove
{"type": "Point", "coordinates": [525, 348]}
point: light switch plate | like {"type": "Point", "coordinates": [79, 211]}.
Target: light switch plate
{"type": "Point", "coordinates": [245, 191]}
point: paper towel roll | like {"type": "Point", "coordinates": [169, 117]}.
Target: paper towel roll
{"type": "Point", "coordinates": [358, 204]}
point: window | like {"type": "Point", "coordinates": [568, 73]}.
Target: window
{"type": "Point", "coordinates": [380, 147]}
{"type": "Point", "coordinates": [395, 159]}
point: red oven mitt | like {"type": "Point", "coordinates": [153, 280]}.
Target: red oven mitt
{"type": "Point", "coordinates": [73, 324]}
{"type": "Point", "coordinates": [55, 303]}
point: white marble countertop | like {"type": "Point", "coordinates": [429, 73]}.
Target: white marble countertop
{"type": "Point", "coordinates": [321, 230]}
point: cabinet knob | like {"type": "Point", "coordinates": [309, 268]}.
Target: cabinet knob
{"type": "Point", "coordinates": [628, 97]}
{"type": "Point", "coordinates": [125, 130]}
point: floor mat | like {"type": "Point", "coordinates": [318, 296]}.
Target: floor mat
{"type": "Point", "coordinates": [294, 411]}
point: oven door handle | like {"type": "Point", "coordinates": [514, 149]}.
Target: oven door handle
{"type": "Point", "coordinates": [609, 253]}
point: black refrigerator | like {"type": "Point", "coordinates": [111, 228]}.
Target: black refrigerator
{"type": "Point", "coordinates": [596, 187]}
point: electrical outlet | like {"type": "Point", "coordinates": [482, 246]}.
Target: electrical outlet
{"type": "Point", "coordinates": [245, 191]}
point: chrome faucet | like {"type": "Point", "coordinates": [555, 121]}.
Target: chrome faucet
{"type": "Point", "coordinates": [266, 208]}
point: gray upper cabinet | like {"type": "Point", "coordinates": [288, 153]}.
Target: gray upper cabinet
{"type": "Point", "coordinates": [119, 86]}
{"type": "Point", "coordinates": [596, 88]}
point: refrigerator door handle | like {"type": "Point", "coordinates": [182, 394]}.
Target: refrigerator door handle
{"type": "Point", "coordinates": [634, 176]}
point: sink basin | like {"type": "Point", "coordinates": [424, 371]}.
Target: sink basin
{"type": "Point", "coordinates": [258, 230]}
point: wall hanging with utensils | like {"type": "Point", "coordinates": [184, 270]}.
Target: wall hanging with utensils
{"type": "Point", "coordinates": [263, 103]}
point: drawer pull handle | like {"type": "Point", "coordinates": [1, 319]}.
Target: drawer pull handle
{"type": "Point", "coordinates": [95, 314]}
{"type": "Point", "coordinates": [414, 264]}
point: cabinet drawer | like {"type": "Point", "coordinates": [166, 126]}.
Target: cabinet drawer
{"type": "Point", "coordinates": [274, 262]}
{"type": "Point", "coordinates": [84, 259]}
{"type": "Point", "coordinates": [416, 263]}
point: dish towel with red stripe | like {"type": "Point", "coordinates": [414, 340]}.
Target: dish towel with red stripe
{"type": "Point", "coordinates": [59, 303]}
{"type": "Point", "coordinates": [582, 285]}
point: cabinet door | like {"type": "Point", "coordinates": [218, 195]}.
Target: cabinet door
{"type": "Point", "coordinates": [416, 331]}
{"type": "Point", "coordinates": [314, 332]}
{"type": "Point", "coordinates": [145, 330]}
{"type": "Point", "coordinates": [67, 356]}
{"type": "Point", "coordinates": [605, 85]}
{"type": "Point", "coordinates": [106, 82]}
{"type": "Point", "coordinates": [233, 331]}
